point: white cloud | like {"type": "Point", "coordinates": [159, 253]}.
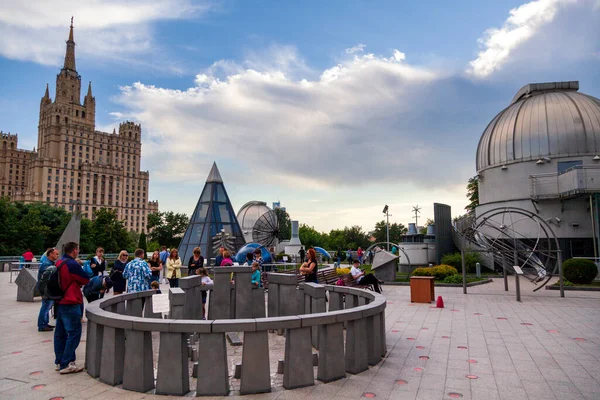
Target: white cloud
{"type": "Point", "coordinates": [522, 24]}
{"type": "Point", "coordinates": [35, 30]}
{"type": "Point", "coordinates": [359, 48]}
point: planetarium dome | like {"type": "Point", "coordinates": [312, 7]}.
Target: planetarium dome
{"type": "Point", "coordinates": [249, 214]}
{"type": "Point", "coordinates": [543, 121]}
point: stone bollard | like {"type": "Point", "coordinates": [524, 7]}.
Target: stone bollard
{"type": "Point", "coordinates": [212, 362]}
{"type": "Point", "coordinates": [176, 303]}
{"type": "Point", "coordinates": [113, 356]}
{"type": "Point", "coordinates": [134, 307]}
{"type": "Point", "coordinates": [195, 370]}
{"type": "Point", "coordinates": [298, 368]}
{"type": "Point", "coordinates": [93, 348]}
{"type": "Point", "coordinates": [148, 313]}
{"type": "Point", "coordinates": [255, 369]}
{"type": "Point", "coordinates": [220, 300]}
{"type": "Point", "coordinates": [373, 339]}
{"type": "Point", "coordinates": [194, 354]}
{"type": "Point", "coordinates": [356, 349]}
{"type": "Point", "coordinates": [258, 302]}
{"type": "Point", "coordinates": [332, 365]}
{"type": "Point", "coordinates": [237, 374]}
{"type": "Point", "coordinates": [314, 302]}
{"type": "Point", "coordinates": [286, 293]}
{"type": "Point", "coordinates": [192, 301]}
{"type": "Point", "coordinates": [138, 372]}
{"type": "Point", "coordinates": [280, 364]}
{"type": "Point", "coordinates": [272, 298]}
{"type": "Point", "coordinates": [335, 301]}
{"type": "Point", "coordinates": [315, 359]}
{"type": "Point", "coordinates": [173, 368]}
{"type": "Point", "coordinates": [243, 292]}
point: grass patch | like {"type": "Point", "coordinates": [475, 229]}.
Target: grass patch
{"type": "Point", "coordinates": [595, 284]}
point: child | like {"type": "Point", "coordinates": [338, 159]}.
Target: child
{"type": "Point", "coordinates": [205, 281]}
{"type": "Point", "coordinates": [155, 286]}
{"type": "Point", "coordinates": [256, 275]}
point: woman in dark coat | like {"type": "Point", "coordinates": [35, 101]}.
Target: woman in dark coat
{"type": "Point", "coordinates": [116, 275]}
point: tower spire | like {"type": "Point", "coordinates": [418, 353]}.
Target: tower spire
{"type": "Point", "coordinates": [70, 53]}
{"type": "Point", "coordinates": [89, 93]}
{"type": "Point", "coordinates": [47, 94]}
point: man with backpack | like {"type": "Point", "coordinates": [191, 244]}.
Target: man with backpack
{"type": "Point", "coordinates": [48, 261]}
{"type": "Point", "coordinates": [69, 309]}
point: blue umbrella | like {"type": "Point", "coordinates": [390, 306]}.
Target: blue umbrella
{"type": "Point", "coordinates": [241, 255]}
{"type": "Point", "coordinates": [322, 251]}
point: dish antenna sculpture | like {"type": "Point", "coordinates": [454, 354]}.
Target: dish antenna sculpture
{"type": "Point", "coordinates": [417, 211]}
{"type": "Point", "coordinates": [266, 229]}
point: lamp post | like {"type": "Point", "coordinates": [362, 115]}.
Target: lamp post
{"type": "Point", "coordinates": [387, 225]}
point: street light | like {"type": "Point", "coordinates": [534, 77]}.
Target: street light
{"type": "Point", "coordinates": [387, 225]}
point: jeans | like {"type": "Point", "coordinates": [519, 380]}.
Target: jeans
{"type": "Point", "coordinates": [67, 333]}
{"type": "Point", "coordinates": [43, 318]}
{"type": "Point", "coordinates": [174, 282]}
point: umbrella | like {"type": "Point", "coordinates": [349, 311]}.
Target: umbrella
{"type": "Point", "coordinates": [322, 251]}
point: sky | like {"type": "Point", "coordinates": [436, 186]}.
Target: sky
{"type": "Point", "coordinates": [334, 108]}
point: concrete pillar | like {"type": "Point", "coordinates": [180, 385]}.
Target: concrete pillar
{"type": "Point", "coordinates": [221, 296]}
{"type": "Point", "coordinates": [273, 300]}
{"type": "Point", "coordinates": [332, 365]}
{"type": "Point", "coordinates": [298, 365]}
{"type": "Point", "coordinates": [113, 356]}
{"type": "Point", "coordinates": [93, 348]}
{"type": "Point", "coordinates": [192, 302]}
{"type": "Point", "coordinates": [176, 303]}
{"type": "Point", "coordinates": [298, 306]}
{"type": "Point", "coordinates": [373, 339]}
{"type": "Point", "coordinates": [286, 294]}
{"type": "Point", "coordinates": [362, 301]}
{"type": "Point", "coordinates": [173, 369]}
{"type": "Point", "coordinates": [351, 301]}
{"type": "Point", "coordinates": [335, 301]}
{"type": "Point", "coordinates": [138, 372]}
{"type": "Point", "coordinates": [258, 303]}
{"type": "Point", "coordinates": [314, 302]}
{"type": "Point", "coordinates": [120, 308]}
{"type": "Point", "coordinates": [256, 373]}
{"type": "Point", "coordinates": [383, 335]}
{"type": "Point", "coordinates": [134, 307]}
{"type": "Point", "coordinates": [356, 346]}
{"type": "Point", "coordinates": [243, 294]}
{"type": "Point", "coordinates": [213, 374]}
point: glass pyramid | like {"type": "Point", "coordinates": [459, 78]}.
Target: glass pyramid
{"type": "Point", "coordinates": [212, 214]}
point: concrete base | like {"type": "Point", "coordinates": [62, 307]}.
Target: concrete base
{"type": "Point", "coordinates": [113, 356]}
{"type": "Point", "coordinates": [256, 373]}
{"type": "Point", "coordinates": [173, 369]}
{"type": "Point", "coordinates": [138, 374]}
{"type": "Point", "coordinates": [298, 368]}
{"type": "Point", "coordinates": [332, 364]}
{"type": "Point", "coordinates": [213, 374]}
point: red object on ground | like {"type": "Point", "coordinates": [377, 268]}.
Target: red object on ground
{"type": "Point", "coordinates": [440, 302]}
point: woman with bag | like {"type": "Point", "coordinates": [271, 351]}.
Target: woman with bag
{"type": "Point", "coordinates": [116, 275]}
{"type": "Point", "coordinates": [309, 268]}
{"type": "Point", "coordinates": [174, 268]}
{"type": "Point", "coordinates": [98, 263]}
{"type": "Point", "coordinates": [196, 261]}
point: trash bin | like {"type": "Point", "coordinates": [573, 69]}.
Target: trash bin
{"type": "Point", "coordinates": [422, 289]}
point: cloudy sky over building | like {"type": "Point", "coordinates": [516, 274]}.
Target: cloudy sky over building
{"type": "Point", "coordinates": [334, 108]}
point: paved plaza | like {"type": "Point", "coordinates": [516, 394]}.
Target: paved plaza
{"type": "Point", "coordinates": [483, 345]}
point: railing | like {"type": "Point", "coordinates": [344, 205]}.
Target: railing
{"type": "Point", "coordinates": [574, 181]}
{"type": "Point", "coordinates": [119, 335]}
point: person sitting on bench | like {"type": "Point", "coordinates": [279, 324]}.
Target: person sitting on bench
{"type": "Point", "coordinates": [364, 279]}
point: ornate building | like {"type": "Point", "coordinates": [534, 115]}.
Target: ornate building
{"type": "Point", "coordinates": [74, 162]}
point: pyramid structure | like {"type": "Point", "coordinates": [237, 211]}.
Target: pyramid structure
{"type": "Point", "coordinates": [213, 214]}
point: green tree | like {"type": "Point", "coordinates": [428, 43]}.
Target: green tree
{"type": "Point", "coordinates": [427, 223]}
{"type": "Point", "coordinates": [396, 231]}
{"type": "Point", "coordinates": [142, 244]}
{"type": "Point", "coordinates": [285, 224]}
{"type": "Point", "coordinates": [472, 193]}
{"type": "Point", "coordinates": [309, 236]}
{"type": "Point", "coordinates": [8, 227]}
{"type": "Point", "coordinates": [167, 228]}
{"type": "Point", "coordinates": [354, 237]}
{"type": "Point", "coordinates": [86, 237]}
{"type": "Point", "coordinates": [109, 232]}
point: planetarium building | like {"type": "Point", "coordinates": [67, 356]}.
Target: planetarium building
{"type": "Point", "coordinates": [542, 154]}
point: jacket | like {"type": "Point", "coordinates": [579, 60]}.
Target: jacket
{"type": "Point", "coordinates": [94, 286]}
{"type": "Point", "coordinates": [72, 278]}
{"type": "Point", "coordinates": [173, 267]}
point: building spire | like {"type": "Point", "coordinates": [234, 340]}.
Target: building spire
{"type": "Point", "coordinates": [89, 93]}
{"type": "Point", "coordinates": [70, 53]}
{"type": "Point", "coordinates": [47, 94]}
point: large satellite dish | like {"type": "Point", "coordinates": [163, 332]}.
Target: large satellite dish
{"type": "Point", "coordinates": [266, 229]}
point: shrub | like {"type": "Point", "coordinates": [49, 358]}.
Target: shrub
{"type": "Point", "coordinates": [454, 260]}
{"type": "Point", "coordinates": [342, 271]}
{"type": "Point", "coordinates": [440, 272]}
{"type": "Point", "coordinates": [579, 270]}
{"type": "Point", "coordinates": [279, 257]}
{"type": "Point", "coordinates": [453, 279]}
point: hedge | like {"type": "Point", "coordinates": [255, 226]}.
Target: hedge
{"type": "Point", "coordinates": [580, 270]}
{"type": "Point", "coordinates": [440, 272]}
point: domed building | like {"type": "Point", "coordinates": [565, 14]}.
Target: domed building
{"type": "Point", "coordinates": [542, 153]}
{"type": "Point", "coordinates": [249, 214]}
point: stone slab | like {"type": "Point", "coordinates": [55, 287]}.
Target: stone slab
{"type": "Point", "coordinates": [298, 365]}
{"type": "Point", "coordinates": [256, 374]}
{"type": "Point", "coordinates": [213, 375]}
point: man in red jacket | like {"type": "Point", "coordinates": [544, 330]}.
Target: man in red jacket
{"type": "Point", "coordinates": [69, 310]}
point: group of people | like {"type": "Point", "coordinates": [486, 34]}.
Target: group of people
{"type": "Point", "coordinates": [360, 256]}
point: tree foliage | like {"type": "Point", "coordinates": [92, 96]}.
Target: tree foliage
{"type": "Point", "coordinates": [472, 193]}
{"type": "Point", "coordinates": [167, 228]}
{"type": "Point", "coordinates": [109, 232]}
{"type": "Point", "coordinates": [427, 223]}
{"type": "Point", "coordinates": [142, 243]}
{"type": "Point", "coordinates": [285, 224]}
{"type": "Point", "coordinates": [396, 230]}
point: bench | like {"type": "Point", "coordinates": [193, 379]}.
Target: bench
{"type": "Point", "coordinates": [349, 281]}
{"type": "Point", "coordinates": [328, 276]}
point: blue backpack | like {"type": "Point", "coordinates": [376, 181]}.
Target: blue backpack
{"type": "Point", "coordinates": [87, 268]}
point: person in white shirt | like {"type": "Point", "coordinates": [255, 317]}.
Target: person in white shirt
{"type": "Point", "coordinates": [205, 281]}
{"type": "Point", "coordinates": [364, 279]}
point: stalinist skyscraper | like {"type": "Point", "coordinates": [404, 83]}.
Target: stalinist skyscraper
{"type": "Point", "coordinates": [74, 162]}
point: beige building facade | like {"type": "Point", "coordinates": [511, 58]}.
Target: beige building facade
{"type": "Point", "coordinates": [74, 162]}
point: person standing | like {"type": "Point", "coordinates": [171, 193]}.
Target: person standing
{"type": "Point", "coordinates": [359, 254]}
{"type": "Point", "coordinates": [310, 268]}
{"type": "Point", "coordinates": [364, 279]}
{"type": "Point", "coordinates": [302, 254]}
{"type": "Point", "coordinates": [371, 255]}
{"type": "Point", "coordinates": [43, 318]}
{"type": "Point", "coordinates": [164, 254]}
{"type": "Point", "coordinates": [137, 272]}
{"type": "Point", "coordinates": [339, 257]}
{"type": "Point", "coordinates": [173, 268]}
{"type": "Point", "coordinates": [349, 256]}
{"type": "Point", "coordinates": [156, 266]}
{"type": "Point", "coordinates": [69, 310]}
{"type": "Point", "coordinates": [27, 256]}
{"type": "Point", "coordinates": [116, 274]}
{"type": "Point", "coordinates": [196, 261]}
{"type": "Point", "coordinates": [98, 263]}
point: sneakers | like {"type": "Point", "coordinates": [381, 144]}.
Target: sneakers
{"type": "Point", "coordinates": [57, 367]}
{"type": "Point", "coordinates": [46, 329]}
{"type": "Point", "coordinates": [71, 369]}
